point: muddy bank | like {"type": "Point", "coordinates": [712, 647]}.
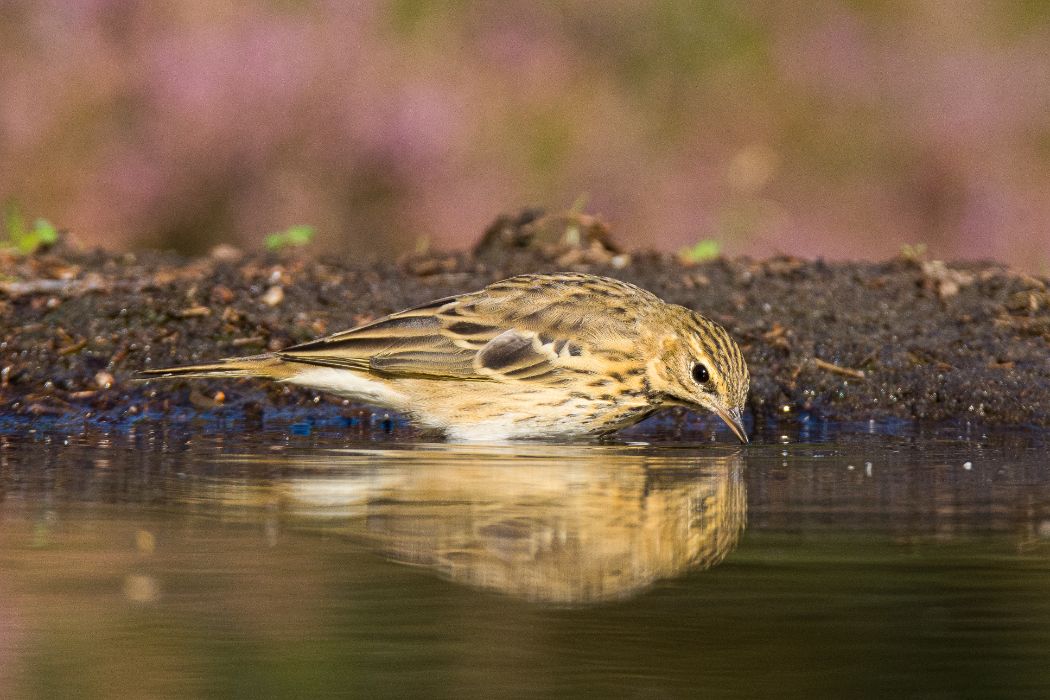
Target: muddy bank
{"type": "Point", "coordinates": [906, 338]}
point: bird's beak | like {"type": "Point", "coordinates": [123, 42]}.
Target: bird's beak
{"type": "Point", "coordinates": [734, 420]}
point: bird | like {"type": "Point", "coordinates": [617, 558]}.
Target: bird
{"type": "Point", "coordinates": [559, 355]}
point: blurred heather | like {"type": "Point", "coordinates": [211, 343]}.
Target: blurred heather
{"type": "Point", "coordinates": [845, 130]}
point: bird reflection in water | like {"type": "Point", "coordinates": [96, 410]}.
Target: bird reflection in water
{"type": "Point", "coordinates": [564, 525]}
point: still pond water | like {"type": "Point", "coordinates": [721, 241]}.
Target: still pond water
{"type": "Point", "coordinates": [845, 561]}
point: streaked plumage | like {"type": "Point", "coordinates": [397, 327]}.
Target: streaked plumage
{"type": "Point", "coordinates": [530, 356]}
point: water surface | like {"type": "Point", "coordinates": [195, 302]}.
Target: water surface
{"type": "Point", "coordinates": [828, 561]}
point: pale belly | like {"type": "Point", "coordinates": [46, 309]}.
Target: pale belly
{"type": "Point", "coordinates": [482, 411]}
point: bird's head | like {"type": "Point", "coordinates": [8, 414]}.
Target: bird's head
{"type": "Point", "coordinates": [700, 365]}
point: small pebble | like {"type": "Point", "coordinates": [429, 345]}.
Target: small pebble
{"type": "Point", "coordinates": [226, 253]}
{"type": "Point", "coordinates": [273, 296]}
{"type": "Point", "coordinates": [104, 380]}
{"type": "Point", "coordinates": [222, 294]}
{"type": "Point", "coordinates": [967, 466]}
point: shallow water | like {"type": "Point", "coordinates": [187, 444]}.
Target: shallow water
{"type": "Point", "coordinates": [827, 561]}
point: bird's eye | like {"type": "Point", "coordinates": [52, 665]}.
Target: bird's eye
{"type": "Point", "coordinates": [700, 374]}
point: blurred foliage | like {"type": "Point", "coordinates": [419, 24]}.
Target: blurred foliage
{"type": "Point", "coordinates": [293, 237]}
{"type": "Point", "coordinates": [23, 239]}
{"type": "Point", "coordinates": [914, 253]}
{"type": "Point", "coordinates": [701, 251]}
{"type": "Point", "coordinates": [840, 131]}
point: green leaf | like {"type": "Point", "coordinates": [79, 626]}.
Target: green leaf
{"type": "Point", "coordinates": [43, 233]}
{"type": "Point", "coordinates": [26, 241]}
{"type": "Point", "coordinates": [291, 237]}
{"type": "Point", "coordinates": [16, 229]}
{"type": "Point", "coordinates": [914, 253]}
{"type": "Point", "coordinates": [701, 251]}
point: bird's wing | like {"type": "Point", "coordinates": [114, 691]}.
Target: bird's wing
{"type": "Point", "coordinates": [515, 329]}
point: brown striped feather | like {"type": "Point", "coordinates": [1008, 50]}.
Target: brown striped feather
{"type": "Point", "coordinates": [471, 336]}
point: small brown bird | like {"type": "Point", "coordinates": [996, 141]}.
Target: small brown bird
{"type": "Point", "coordinates": [553, 355]}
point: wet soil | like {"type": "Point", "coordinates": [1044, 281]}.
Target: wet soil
{"type": "Point", "coordinates": [907, 338]}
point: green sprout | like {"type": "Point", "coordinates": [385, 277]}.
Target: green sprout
{"type": "Point", "coordinates": [914, 253]}
{"type": "Point", "coordinates": [701, 251]}
{"type": "Point", "coordinates": [293, 237]}
{"type": "Point", "coordinates": [26, 240]}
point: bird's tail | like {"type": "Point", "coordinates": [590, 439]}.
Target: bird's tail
{"type": "Point", "coordinates": [266, 366]}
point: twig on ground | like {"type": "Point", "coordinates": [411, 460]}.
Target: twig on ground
{"type": "Point", "coordinates": [838, 369]}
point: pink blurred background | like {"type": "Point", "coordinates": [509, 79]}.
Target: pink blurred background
{"type": "Point", "coordinates": [842, 130]}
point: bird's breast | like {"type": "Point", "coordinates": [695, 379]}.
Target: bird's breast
{"type": "Point", "coordinates": [499, 411]}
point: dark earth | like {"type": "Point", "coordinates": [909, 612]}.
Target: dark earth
{"type": "Point", "coordinates": [909, 338]}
